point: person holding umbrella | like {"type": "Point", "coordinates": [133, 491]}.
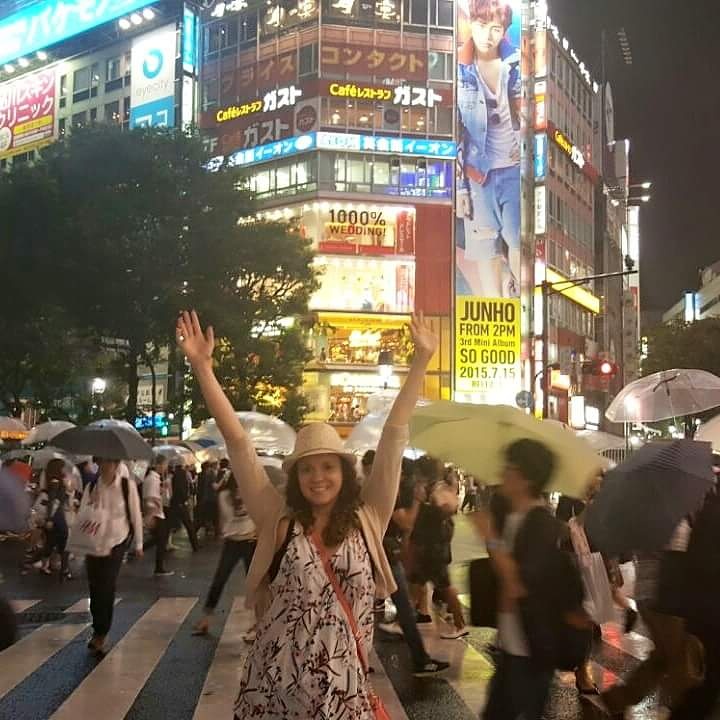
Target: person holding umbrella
{"type": "Point", "coordinates": [109, 518]}
{"type": "Point", "coordinates": [120, 501]}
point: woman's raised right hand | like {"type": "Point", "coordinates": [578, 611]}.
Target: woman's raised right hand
{"type": "Point", "coordinates": [197, 345]}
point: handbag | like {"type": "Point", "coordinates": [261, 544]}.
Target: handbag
{"type": "Point", "coordinates": [375, 702]}
{"type": "Point", "coordinates": [87, 536]}
{"type": "Point", "coordinates": [599, 602]}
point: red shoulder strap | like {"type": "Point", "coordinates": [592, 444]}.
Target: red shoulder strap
{"type": "Point", "coordinates": [332, 577]}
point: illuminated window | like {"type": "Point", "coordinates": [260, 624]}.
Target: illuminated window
{"type": "Point", "coordinates": [112, 112]}
{"type": "Point", "coordinates": [308, 60]}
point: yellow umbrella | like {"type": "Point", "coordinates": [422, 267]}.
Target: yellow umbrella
{"type": "Point", "coordinates": [474, 437]}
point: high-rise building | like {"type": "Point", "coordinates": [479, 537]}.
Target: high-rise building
{"type": "Point", "coordinates": [340, 115]}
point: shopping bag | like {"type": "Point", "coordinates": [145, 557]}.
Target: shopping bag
{"type": "Point", "coordinates": [599, 600]}
{"type": "Point", "coordinates": [484, 589]}
{"type": "Point", "coordinates": [87, 535]}
{"type": "Point", "coordinates": [598, 593]}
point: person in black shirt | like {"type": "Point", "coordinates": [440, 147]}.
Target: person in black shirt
{"type": "Point", "coordinates": [179, 504]}
{"type": "Point", "coordinates": [407, 506]}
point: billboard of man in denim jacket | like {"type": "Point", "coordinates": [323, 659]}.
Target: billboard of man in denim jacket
{"type": "Point", "coordinates": [488, 198]}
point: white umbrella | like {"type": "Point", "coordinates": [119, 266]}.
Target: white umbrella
{"type": "Point", "coordinates": [12, 429]}
{"type": "Point", "coordinates": [366, 434]}
{"type": "Point", "coordinates": [664, 395]}
{"type": "Point", "coordinates": [112, 422]}
{"type": "Point", "coordinates": [602, 441]}
{"type": "Point", "coordinates": [267, 433]}
{"type": "Point", "coordinates": [710, 432]}
{"type": "Point", "coordinates": [46, 431]}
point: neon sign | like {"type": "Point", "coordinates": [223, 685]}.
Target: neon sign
{"type": "Point", "coordinates": [46, 23]}
{"type": "Point", "coordinates": [572, 151]}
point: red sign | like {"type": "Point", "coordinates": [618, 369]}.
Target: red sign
{"type": "Point", "coordinates": [378, 61]}
{"type": "Point", "coordinates": [27, 112]}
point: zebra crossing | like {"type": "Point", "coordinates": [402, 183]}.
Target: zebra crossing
{"type": "Point", "coordinates": [155, 668]}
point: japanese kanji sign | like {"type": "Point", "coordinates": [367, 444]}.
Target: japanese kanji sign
{"type": "Point", "coordinates": [404, 95]}
{"type": "Point", "coordinates": [272, 100]}
{"type": "Point", "coordinates": [47, 22]}
{"type": "Point", "coordinates": [378, 61]}
{"type": "Point", "coordinates": [27, 112]}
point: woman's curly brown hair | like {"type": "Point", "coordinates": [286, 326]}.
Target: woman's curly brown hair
{"type": "Point", "coordinates": [343, 518]}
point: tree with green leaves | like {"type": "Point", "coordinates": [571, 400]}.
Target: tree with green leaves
{"type": "Point", "coordinates": [693, 345]}
{"type": "Point", "coordinates": [42, 354]}
{"type": "Point", "coordinates": [144, 230]}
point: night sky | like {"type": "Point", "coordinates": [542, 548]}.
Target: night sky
{"type": "Point", "coordinates": [668, 104]}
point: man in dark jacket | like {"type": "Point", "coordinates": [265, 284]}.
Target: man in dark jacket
{"type": "Point", "coordinates": [179, 510]}
{"type": "Point", "coordinates": [541, 625]}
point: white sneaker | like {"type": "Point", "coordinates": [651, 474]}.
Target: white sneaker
{"type": "Point", "coordinates": [391, 628]}
{"type": "Point", "coordinates": [455, 634]}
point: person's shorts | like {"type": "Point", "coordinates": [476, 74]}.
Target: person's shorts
{"type": "Point", "coordinates": [430, 571]}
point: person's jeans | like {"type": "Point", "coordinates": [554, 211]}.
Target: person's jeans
{"type": "Point", "coordinates": [518, 691]}
{"type": "Point", "coordinates": [181, 514]}
{"type": "Point", "coordinates": [496, 215]}
{"type": "Point", "coordinates": [406, 615]}
{"type": "Point", "coordinates": [102, 575]}
{"type": "Point", "coordinates": [232, 552]}
{"type": "Point", "coordinates": [159, 538]}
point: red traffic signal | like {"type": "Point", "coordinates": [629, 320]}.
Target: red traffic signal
{"type": "Point", "coordinates": [600, 368]}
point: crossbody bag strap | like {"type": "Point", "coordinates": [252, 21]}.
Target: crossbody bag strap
{"type": "Point", "coordinates": [342, 598]}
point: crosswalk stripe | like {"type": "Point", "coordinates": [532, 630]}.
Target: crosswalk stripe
{"type": "Point", "coordinates": [83, 606]}
{"type": "Point", "coordinates": [20, 606]}
{"type": "Point", "coordinates": [110, 689]}
{"type": "Point", "coordinates": [382, 685]}
{"type": "Point", "coordinates": [29, 653]}
{"type": "Point", "coordinates": [223, 678]}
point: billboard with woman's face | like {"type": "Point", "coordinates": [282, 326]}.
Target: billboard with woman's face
{"type": "Point", "coordinates": [487, 226]}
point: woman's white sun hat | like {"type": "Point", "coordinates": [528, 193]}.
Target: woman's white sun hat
{"type": "Point", "coordinates": [317, 439]}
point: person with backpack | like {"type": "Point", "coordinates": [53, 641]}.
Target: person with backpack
{"type": "Point", "coordinates": [542, 626]}
{"type": "Point", "coordinates": [319, 562]}
{"type": "Point", "coordinates": [239, 540]}
{"type": "Point", "coordinates": [119, 498]}
{"type": "Point", "coordinates": [55, 500]}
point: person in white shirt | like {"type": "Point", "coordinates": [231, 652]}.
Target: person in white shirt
{"type": "Point", "coordinates": [120, 497]}
{"type": "Point", "coordinates": [156, 505]}
{"type": "Point", "coordinates": [239, 540]}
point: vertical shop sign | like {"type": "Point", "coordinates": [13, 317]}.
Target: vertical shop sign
{"type": "Point", "coordinates": [488, 205]}
{"type": "Point", "coordinates": [152, 103]}
{"type": "Point", "coordinates": [27, 112]}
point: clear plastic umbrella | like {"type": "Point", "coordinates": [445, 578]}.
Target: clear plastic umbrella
{"type": "Point", "coordinates": [664, 395]}
{"type": "Point", "coordinates": [366, 434]}
{"type": "Point", "coordinates": [46, 431]}
{"type": "Point", "coordinates": [112, 422]}
{"type": "Point", "coordinates": [268, 434]}
{"type": "Point", "coordinates": [175, 454]}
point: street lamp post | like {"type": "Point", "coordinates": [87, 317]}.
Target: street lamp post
{"type": "Point", "coordinates": [97, 388]}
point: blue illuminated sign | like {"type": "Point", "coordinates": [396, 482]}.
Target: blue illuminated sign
{"type": "Point", "coordinates": [189, 40]}
{"type": "Point", "coordinates": [540, 156]}
{"type": "Point", "coordinates": [46, 23]}
{"type": "Point", "coordinates": [440, 149]}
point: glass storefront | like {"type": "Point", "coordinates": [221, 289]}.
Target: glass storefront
{"type": "Point", "coordinates": [389, 175]}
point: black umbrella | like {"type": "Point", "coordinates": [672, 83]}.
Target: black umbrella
{"type": "Point", "coordinates": [113, 442]}
{"type": "Point", "coordinates": [642, 501]}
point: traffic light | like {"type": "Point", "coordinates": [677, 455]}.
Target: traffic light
{"type": "Point", "coordinates": [600, 368]}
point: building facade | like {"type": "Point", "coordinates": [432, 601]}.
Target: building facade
{"type": "Point", "coordinates": [340, 115]}
{"type": "Point", "coordinates": [699, 304]}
